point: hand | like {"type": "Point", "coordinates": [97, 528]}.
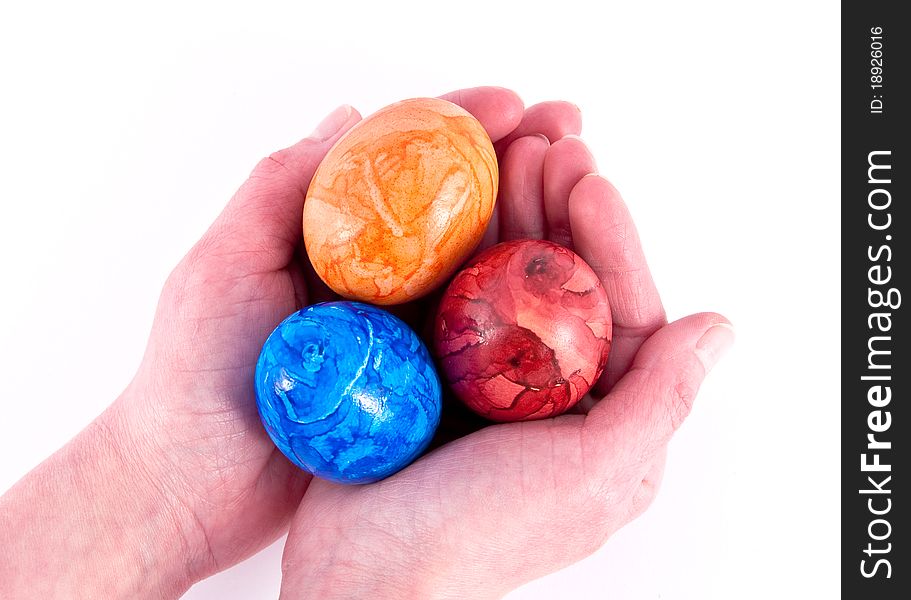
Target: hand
{"type": "Point", "coordinates": [178, 479]}
{"type": "Point", "coordinates": [484, 513]}
{"type": "Point", "coordinates": [236, 492]}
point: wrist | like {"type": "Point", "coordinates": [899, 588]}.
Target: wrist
{"type": "Point", "coordinates": [364, 561]}
{"type": "Point", "coordinates": [92, 521]}
{"type": "Point", "coordinates": [164, 527]}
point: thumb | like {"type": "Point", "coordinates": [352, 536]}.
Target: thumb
{"type": "Point", "coordinates": [637, 419]}
{"type": "Point", "coordinates": [263, 221]}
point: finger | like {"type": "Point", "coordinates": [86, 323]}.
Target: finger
{"type": "Point", "coordinates": [260, 228]}
{"type": "Point", "coordinates": [553, 120]}
{"type": "Point", "coordinates": [492, 234]}
{"type": "Point", "coordinates": [568, 160]}
{"type": "Point", "coordinates": [605, 237]}
{"type": "Point", "coordinates": [498, 109]}
{"type": "Point", "coordinates": [521, 197]}
{"type": "Point", "coordinates": [637, 419]}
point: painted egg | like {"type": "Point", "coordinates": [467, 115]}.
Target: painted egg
{"type": "Point", "coordinates": [524, 331]}
{"type": "Point", "coordinates": [400, 201]}
{"type": "Point", "coordinates": [347, 391]}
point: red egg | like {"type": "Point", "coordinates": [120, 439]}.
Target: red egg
{"type": "Point", "coordinates": [524, 331]}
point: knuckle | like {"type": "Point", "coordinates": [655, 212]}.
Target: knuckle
{"type": "Point", "coordinates": [628, 253]}
{"type": "Point", "coordinates": [173, 291]}
{"type": "Point", "coordinates": [288, 161]}
{"type": "Point", "coordinates": [271, 166]}
{"type": "Point", "coordinates": [279, 164]}
{"type": "Point", "coordinates": [683, 394]}
{"type": "Point", "coordinates": [643, 498]}
{"type": "Point", "coordinates": [189, 277]}
{"type": "Point", "coordinates": [285, 166]}
{"type": "Point", "coordinates": [561, 234]}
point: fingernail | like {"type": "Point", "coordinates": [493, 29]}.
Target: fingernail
{"type": "Point", "coordinates": [331, 124]}
{"type": "Point", "coordinates": [713, 344]}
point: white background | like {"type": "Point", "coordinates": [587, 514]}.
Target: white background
{"type": "Point", "coordinates": [123, 133]}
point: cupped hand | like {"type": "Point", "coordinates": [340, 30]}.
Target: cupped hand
{"type": "Point", "coordinates": [488, 511]}
{"type": "Point", "coordinates": [188, 420]}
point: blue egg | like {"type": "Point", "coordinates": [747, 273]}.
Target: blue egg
{"type": "Point", "coordinates": [347, 391]}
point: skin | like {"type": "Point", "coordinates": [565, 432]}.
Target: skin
{"type": "Point", "coordinates": [177, 480]}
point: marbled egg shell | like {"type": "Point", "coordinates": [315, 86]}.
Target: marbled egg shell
{"type": "Point", "coordinates": [347, 391]}
{"type": "Point", "coordinates": [400, 201]}
{"type": "Point", "coordinates": [524, 331]}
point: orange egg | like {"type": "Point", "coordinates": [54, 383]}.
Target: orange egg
{"type": "Point", "coordinates": [400, 201]}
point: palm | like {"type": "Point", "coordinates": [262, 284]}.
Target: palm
{"type": "Point", "coordinates": [245, 487]}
